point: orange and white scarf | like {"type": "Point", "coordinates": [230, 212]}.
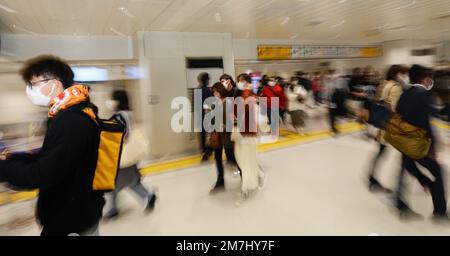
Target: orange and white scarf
{"type": "Point", "coordinates": [70, 97]}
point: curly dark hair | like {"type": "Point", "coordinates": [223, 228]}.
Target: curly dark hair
{"type": "Point", "coordinates": [49, 67]}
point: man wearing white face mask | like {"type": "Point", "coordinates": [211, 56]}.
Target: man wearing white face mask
{"type": "Point", "coordinates": [64, 168]}
{"type": "Point", "coordinates": [229, 84]}
{"type": "Point", "coordinates": [415, 108]}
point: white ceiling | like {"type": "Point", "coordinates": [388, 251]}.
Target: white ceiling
{"type": "Point", "coordinates": [369, 20]}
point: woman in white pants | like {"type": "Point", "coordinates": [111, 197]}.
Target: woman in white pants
{"type": "Point", "coordinates": [246, 138]}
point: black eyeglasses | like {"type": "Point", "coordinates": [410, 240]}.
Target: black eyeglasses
{"type": "Point", "coordinates": [30, 84]}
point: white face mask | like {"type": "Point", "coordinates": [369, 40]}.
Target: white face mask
{"type": "Point", "coordinates": [37, 97]}
{"type": "Point", "coordinates": [112, 105]}
{"type": "Point", "coordinates": [241, 85]}
{"type": "Point", "coordinates": [295, 82]}
{"type": "Point", "coordinates": [403, 81]}
{"type": "Point", "coordinates": [431, 86]}
{"type": "Point", "coordinates": [272, 83]}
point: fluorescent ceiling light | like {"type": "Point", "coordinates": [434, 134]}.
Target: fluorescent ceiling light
{"type": "Point", "coordinates": [266, 4]}
{"type": "Point", "coordinates": [443, 13]}
{"type": "Point", "coordinates": [406, 6]}
{"type": "Point", "coordinates": [342, 1]}
{"type": "Point", "coordinates": [115, 31]}
{"type": "Point", "coordinates": [285, 21]}
{"type": "Point", "coordinates": [126, 12]}
{"type": "Point", "coordinates": [218, 17]}
{"type": "Point", "coordinates": [6, 8]}
{"type": "Point", "coordinates": [339, 24]}
{"type": "Point", "coordinates": [317, 21]}
{"type": "Point", "coordinates": [336, 37]}
{"type": "Point", "coordinates": [294, 36]}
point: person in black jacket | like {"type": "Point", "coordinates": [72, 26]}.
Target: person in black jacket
{"type": "Point", "coordinates": [203, 80]}
{"type": "Point", "coordinates": [415, 108]}
{"type": "Point", "coordinates": [63, 170]}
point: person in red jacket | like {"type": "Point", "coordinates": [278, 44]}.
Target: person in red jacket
{"type": "Point", "coordinates": [274, 90]}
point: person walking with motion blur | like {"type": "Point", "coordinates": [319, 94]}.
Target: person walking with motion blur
{"type": "Point", "coordinates": [272, 91]}
{"type": "Point", "coordinates": [233, 92]}
{"type": "Point", "coordinates": [203, 80]}
{"type": "Point", "coordinates": [134, 150]}
{"type": "Point", "coordinates": [415, 108]}
{"type": "Point", "coordinates": [64, 168]}
{"type": "Point", "coordinates": [245, 138]}
{"type": "Point", "coordinates": [336, 93]}
{"type": "Point", "coordinates": [221, 139]}
{"type": "Point", "coordinates": [296, 97]}
{"type": "Point", "coordinates": [389, 93]}
{"type": "Point", "coordinates": [316, 84]}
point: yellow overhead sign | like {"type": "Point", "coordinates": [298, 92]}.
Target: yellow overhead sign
{"type": "Point", "coordinates": [293, 52]}
{"type": "Point", "coordinates": [274, 52]}
{"type": "Point", "coordinates": [371, 52]}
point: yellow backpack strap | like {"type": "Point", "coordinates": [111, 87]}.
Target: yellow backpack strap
{"type": "Point", "coordinates": [90, 112]}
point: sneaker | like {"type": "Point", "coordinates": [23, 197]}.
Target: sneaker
{"type": "Point", "coordinates": [113, 214]}
{"type": "Point", "coordinates": [205, 158]}
{"type": "Point", "coordinates": [243, 196]}
{"type": "Point", "coordinates": [217, 189]}
{"type": "Point", "coordinates": [409, 215]}
{"type": "Point", "coordinates": [262, 181]}
{"type": "Point", "coordinates": [441, 219]}
{"type": "Point", "coordinates": [151, 204]}
{"type": "Point", "coordinates": [375, 186]}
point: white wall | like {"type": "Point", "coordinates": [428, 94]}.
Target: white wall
{"type": "Point", "coordinates": [399, 52]}
{"type": "Point", "coordinates": [14, 104]}
{"type": "Point", "coordinates": [21, 47]}
{"type": "Point", "coordinates": [163, 59]}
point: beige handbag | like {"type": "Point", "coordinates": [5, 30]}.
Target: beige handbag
{"type": "Point", "coordinates": [136, 148]}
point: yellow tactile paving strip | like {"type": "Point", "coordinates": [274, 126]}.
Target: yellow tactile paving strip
{"type": "Point", "coordinates": [287, 138]}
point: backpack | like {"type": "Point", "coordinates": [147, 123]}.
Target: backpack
{"type": "Point", "coordinates": [112, 133]}
{"type": "Point", "coordinates": [410, 140]}
{"type": "Point", "coordinates": [379, 113]}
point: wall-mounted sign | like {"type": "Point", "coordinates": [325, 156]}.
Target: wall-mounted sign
{"type": "Point", "coordinates": [274, 52]}
{"type": "Point", "coordinates": [267, 52]}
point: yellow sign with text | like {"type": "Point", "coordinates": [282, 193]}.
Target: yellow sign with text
{"type": "Point", "coordinates": [371, 52]}
{"type": "Point", "coordinates": [274, 52]}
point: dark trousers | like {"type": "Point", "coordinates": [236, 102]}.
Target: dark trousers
{"type": "Point", "coordinates": [436, 187]}
{"type": "Point", "coordinates": [375, 161]}
{"type": "Point", "coordinates": [282, 112]}
{"type": "Point", "coordinates": [317, 97]}
{"type": "Point", "coordinates": [269, 116]}
{"type": "Point", "coordinates": [333, 114]}
{"type": "Point", "coordinates": [206, 150]}
{"type": "Point", "coordinates": [229, 152]}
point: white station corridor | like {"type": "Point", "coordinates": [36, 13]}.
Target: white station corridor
{"type": "Point", "coordinates": [317, 188]}
{"type": "Point", "coordinates": [106, 110]}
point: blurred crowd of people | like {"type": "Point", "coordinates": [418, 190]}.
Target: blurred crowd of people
{"type": "Point", "coordinates": [410, 92]}
{"type": "Point", "coordinates": [65, 167]}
